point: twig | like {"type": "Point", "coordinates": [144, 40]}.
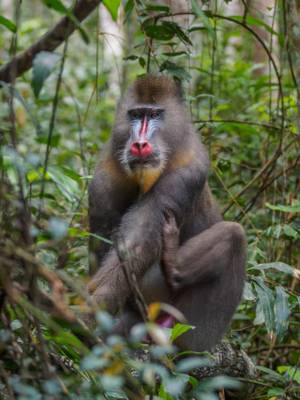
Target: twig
{"type": "Point", "coordinates": [278, 346]}
{"type": "Point", "coordinates": [51, 126]}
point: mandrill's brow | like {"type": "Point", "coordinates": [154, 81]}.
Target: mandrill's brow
{"type": "Point", "coordinates": [149, 111]}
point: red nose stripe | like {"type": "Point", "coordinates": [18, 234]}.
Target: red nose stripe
{"type": "Point", "coordinates": [144, 127]}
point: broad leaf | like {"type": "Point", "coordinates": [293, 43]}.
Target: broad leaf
{"type": "Point", "coordinates": [295, 208]}
{"type": "Point", "coordinates": [43, 65]}
{"type": "Point", "coordinates": [8, 24]}
{"type": "Point", "coordinates": [279, 266]}
{"type": "Point", "coordinates": [266, 301]}
{"type": "Point", "coordinates": [282, 312]}
{"type": "Point", "coordinates": [178, 330]}
{"type": "Point", "coordinates": [113, 7]}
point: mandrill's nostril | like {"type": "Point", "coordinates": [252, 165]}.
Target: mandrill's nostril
{"type": "Point", "coordinates": [141, 149]}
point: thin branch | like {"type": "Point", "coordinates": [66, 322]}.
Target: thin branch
{"type": "Point", "coordinates": [237, 121]}
{"type": "Point", "coordinates": [51, 125]}
{"type": "Point", "coordinates": [48, 42]}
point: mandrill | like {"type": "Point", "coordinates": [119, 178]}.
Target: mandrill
{"type": "Point", "coordinates": [150, 196]}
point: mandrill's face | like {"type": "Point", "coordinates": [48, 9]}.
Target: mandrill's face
{"type": "Point", "coordinates": [145, 148]}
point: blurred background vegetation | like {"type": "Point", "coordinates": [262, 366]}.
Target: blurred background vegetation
{"type": "Point", "coordinates": [239, 63]}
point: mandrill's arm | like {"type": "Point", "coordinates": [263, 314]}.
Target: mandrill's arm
{"type": "Point", "coordinates": [140, 234]}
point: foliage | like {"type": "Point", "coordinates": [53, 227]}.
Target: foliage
{"type": "Point", "coordinates": [56, 118]}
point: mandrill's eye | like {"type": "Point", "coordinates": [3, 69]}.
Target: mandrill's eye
{"type": "Point", "coordinates": [134, 114]}
{"type": "Point", "coordinates": [154, 114]}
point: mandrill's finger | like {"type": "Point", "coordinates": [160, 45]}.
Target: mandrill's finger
{"type": "Point", "coordinates": [170, 227]}
{"type": "Point", "coordinates": [169, 217]}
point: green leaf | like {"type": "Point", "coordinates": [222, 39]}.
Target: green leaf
{"type": "Point", "coordinates": [197, 10]}
{"type": "Point", "coordinates": [159, 32]}
{"type": "Point", "coordinates": [56, 5]}
{"type": "Point", "coordinates": [175, 70]}
{"type": "Point", "coordinates": [272, 375]}
{"type": "Point", "coordinates": [158, 7]}
{"type": "Point", "coordinates": [128, 8]}
{"type": "Point", "coordinates": [142, 62]}
{"type": "Point", "coordinates": [282, 312]}
{"type": "Point", "coordinates": [295, 208]}
{"type": "Point", "coordinates": [265, 302]}
{"type": "Point", "coordinates": [113, 7]}
{"type": "Point", "coordinates": [290, 232]}
{"type": "Point", "coordinates": [132, 57]}
{"type": "Point", "coordinates": [178, 330]}
{"type": "Point", "coordinates": [276, 391]}
{"type": "Point", "coordinates": [279, 266]}
{"type": "Point", "coordinates": [292, 372]}
{"type": "Point", "coordinates": [67, 186]}
{"type": "Point", "coordinates": [175, 54]}
{"type": "Point", "coordinates": [255, 22]}
{"type": "Point", "coordinates": [178, 31]}
{"type": "Point", "coordinates": [43, 64]}
{"type": "Point", "coordinates": [10, 25]}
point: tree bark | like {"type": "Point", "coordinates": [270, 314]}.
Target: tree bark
{"type": "Point", "coordinates": [48, 42]}
{"type": "Point", "coordinates": [226, 360]}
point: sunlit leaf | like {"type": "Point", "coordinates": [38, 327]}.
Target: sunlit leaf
{"type": "Point", "coordinates": [113, 7]}
{"type": "Point", "coordinates": [292, 372]}
{"type": "Point", "coordinates": [180, 329]}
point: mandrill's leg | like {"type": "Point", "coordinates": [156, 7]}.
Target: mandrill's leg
{"type": "Point", "coordinates": [207, 276]}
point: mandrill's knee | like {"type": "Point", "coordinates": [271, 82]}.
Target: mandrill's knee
{"type": "Point", "coordinates": [238, 243]}
{"type": "Point", "coordinates": [237, 233]}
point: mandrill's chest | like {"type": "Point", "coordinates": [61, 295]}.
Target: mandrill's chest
{"type": "Point", "coordinates": [145, 178]}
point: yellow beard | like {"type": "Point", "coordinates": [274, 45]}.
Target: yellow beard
{"type": "Point", "coordinates": [146, 177]}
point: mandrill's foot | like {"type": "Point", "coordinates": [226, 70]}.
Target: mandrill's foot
{"type": "Point", "coordinates": [170, 249]}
